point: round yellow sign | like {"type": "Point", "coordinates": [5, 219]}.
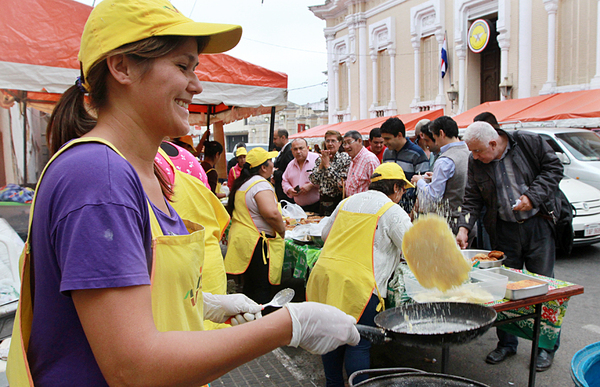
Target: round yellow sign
{"type": "Point", "coordinates": [479, 35]}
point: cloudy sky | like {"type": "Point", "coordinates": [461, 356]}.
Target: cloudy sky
{"type": "Point", "coordinates": [281, 35]}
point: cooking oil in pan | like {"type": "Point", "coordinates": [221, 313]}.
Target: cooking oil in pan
{"type": "Point", "coordinates": [432, 327]}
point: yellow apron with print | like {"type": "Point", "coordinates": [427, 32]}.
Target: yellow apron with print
{"type": "Point", "coordinates": [194, 201]}
{"type": "Point", "coordinates": [243, 238]}
{"type": "Point", "coordinates": [343, 275]}
{"type": "Point", "coordinates": [176, 275]}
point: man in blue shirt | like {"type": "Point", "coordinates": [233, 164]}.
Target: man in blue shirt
{"type": "Point", "coordinates": [447, 187]}
{"type": "Point", "coordinates": [405, 153]}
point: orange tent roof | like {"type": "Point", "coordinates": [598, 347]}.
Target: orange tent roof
{"type": "Point", "coordinates": [501, 109]}
{"type": "Point", "coordinates": [577, 104]}
{"type": "Point", "coordinates": [365, 126]}
{"type": "Point", "coordinates": [561, 106]}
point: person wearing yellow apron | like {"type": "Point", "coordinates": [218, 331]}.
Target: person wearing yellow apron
{"type": "Point", "coordinates": [363, 241]}
{"type": "Point", "coordinates": [193, 201]}
{"type": "Point", "coordinates": [256, 246]}
{"type": "Point", "coordinates": [236, 170]}
{"type": "Point", "coordinates": [112, 276]}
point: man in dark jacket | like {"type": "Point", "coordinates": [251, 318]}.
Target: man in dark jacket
{"type": "Point", "coordinates": [514, 175]}
{"type": "Point", "coordinates": [280, 139]}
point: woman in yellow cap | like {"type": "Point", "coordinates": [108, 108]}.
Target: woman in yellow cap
{"type": "Point", "coordinates": [235, 171]}
{"type": "Point", "coordinates": [363, 242]}
{"type": "Point", "coordinates": [256, 245]}
{"type": "Point", "coordinates": [111, 275]}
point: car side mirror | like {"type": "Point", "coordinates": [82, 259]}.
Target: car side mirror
{"type": "Point", "coordinates": [563, 158]}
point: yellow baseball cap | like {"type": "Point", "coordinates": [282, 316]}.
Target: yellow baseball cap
{"type": "Point", "coordinates": [113, 23]}
{"type": "Point", "coordinates": [257, 156]}
{"type": "Point", "coordinates": [241, 152]}
{"type": "Point", "coordinates": [390, 171]}
{"type": "Point", "coordinates": [188, 140]}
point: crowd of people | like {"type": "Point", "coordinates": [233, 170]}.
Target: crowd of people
{"type": "Point", "coordinates": [124, 281]}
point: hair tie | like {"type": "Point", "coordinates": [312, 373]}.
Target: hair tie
{"type": "Point", "coordinates": [80, 86]}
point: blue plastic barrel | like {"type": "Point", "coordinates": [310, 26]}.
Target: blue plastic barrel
{"type": "Point", "coordinates": [585, 366]}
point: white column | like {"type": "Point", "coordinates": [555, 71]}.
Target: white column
{"type": "Point", "coordinates": [416, 43]}
{"type": "Point", "coordinates": [336, 91]}
{"type": "Point", "coordinates": [362, 68]}
{"type": "Point", "coordinates": [525, 38]}
{"type": "Point", "coordinates": [461, 53]}
{"type": "Point", "coordinates": [595, 83]}
{"type": "Point", "coordinates": [332, 107]}
{"type": "Point", "coordinates": [349, 80]}
{"type": "Point", "coordinates": [550, 85]}
{"type": "Point", "coordinates": [375, 93]}
{"type": "Point", "coordinates": [392, 104]}
{"type": "Point", "coordinates": [439, 36]}
{"type": "Point", "coordinates": [503, 28]}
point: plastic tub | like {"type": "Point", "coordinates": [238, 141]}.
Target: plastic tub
{"type": "Point", "coordinates": [585, 366]}
{"type": "Point", "coordinates": [482, 287]}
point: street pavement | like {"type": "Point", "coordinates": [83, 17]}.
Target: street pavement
{"type": "Point", "coordinates": [580, 328]}
{"type": "Point", "coordinates": [293, 367]}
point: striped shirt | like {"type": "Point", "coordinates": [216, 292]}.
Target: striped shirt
{"type": "Point", "coordinates": [360, 171]}
{"type": "Point", "coordinates": [411, 158]}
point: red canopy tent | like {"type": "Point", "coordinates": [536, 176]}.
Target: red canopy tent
{"type": "Point", "coordinates": [39, 42]}
{"type": "Point", "coordinates": [365, 126]}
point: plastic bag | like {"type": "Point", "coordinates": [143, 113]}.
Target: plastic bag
{"type": "Point", "coordinates": [291, 210]}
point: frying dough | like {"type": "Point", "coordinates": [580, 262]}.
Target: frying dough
{"type": "Point", "coordinates": [432, 254]}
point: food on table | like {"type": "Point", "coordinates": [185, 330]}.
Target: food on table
{"type": "Point", "coordinates": [496, 254]}
{"type": "Point", "coordinates": [491, 256]}
{"type": "Point", "coordinates": [523, 284]}
{"type": "Point", "coordinates": [432, 254]}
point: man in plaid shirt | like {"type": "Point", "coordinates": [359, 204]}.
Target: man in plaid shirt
{"type": "Point", "coordinates": [362, 166]}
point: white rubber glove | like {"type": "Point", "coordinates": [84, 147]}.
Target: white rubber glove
{"type": "Point", "coordinates": [218, 308]}
{"type": "Point", "coordinates": [321, 328]}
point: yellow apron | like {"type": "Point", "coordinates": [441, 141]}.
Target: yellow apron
{"type": "Point", "coordinates": [193, 201]}
{"type": "Point", "coordinates": [219, 185]}
{"type": "Point", "coordinates": [343, 275]}
{"type": "Point", "coordinates": [243, 238]}
{"type": "Point", "coordinates": [176, 274]}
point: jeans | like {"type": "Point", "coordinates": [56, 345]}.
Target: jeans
{"type": "Point", "coordinates": [354, 358]}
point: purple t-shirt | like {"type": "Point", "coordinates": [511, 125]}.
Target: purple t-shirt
{"type": "Point", "coordinates": [91, 230]}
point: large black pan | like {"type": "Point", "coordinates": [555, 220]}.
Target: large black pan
{"type": "Point", "coordinates": [409, 377]}
{"type": "Point", "coordinates": [431, 324]}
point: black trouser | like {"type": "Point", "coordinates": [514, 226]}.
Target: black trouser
{"type": "Point", "coordinates": [531, 245]}
{"type": "Point", "coordinates": [256, 277]}
{"type": "Point", "coordinates": [328, 204]}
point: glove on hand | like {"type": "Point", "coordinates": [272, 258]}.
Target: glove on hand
{"type": "Point", "coordinates": [321, 328]}
{"type": "Point", "coordinates": [218, 308]}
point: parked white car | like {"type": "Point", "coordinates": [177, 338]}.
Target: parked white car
{"type": "Point", "coordinates": [229, 155]}
{"type": "Point", "coordinates": [586, 200]}
{"type": "Point", "coordinates": [578, 150]}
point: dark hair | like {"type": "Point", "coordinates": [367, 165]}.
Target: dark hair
{"type": "Point", "coordinates": [240, 145]}
{"type": "Point", "coordinates": [445, 123]}
{"type": "Point", "coordinates": [386, 186]}
{"type": "Point", "coordinates": [426, 131]}
{"type": "Point", "coordinates": [244, 176]}
{"type": "Point", "coordinates": [374, 133]}
{"type": "Point", "coordinates": [283, 133]}
{"type": "Point", "coordinates": [354, 134]}
{"type": "Point", "coordinates": [489, 118]}
{"type": "Point", "coordinates": [71, 119]}
{"type": "Point", "coordinates": [211, 148]}
{"type": "Point", "coordinates": [393, 126]}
